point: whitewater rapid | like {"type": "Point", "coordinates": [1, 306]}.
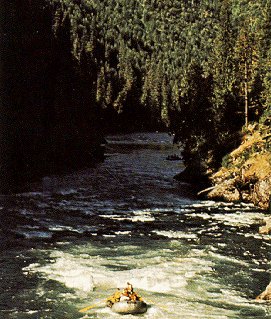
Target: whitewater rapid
{"type": "Point", "coordinates": [74, 239]}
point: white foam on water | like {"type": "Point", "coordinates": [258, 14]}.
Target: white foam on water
{"type": "Point", "coordinates": [232, 260]}
{"type": "Point", "coordinates": [184, 210]}
{"type": "Point", "coordinates": [76, 229]}
{"type": "Point", "coordinates": [61, 228]}
{"type": "Point", "coordinates": [204, 215]}
{"type": "Point", "coordinates": [224, 205]}
{"type": "Point", "coordinates": [125, 232]}
{"type": "Point", "coordinates": [31, 234]}
{"type": "Point", "coordinates": [238, 218]}
{"type": "Point", "coordinates": [70, 191]}
{"type": "Point", "coordinates": [154, 274]}
{"type": "Point", "coordinates": [234, 218]}
{"type": "Point", "coordinates": [171, 283]}
{"type": "Point", "coordinates": [255, 236]}
{"type": "Point", "coordinates": [205, 204]}
{"type": "Point", "coordinates": [175, 234]}
{"type": "Point", "coordinates": [134, 216]}
{"type": "Point", "coordinates": [31, 312]}
{"type": "Point", "coordinates": [172, 280]}
{"type": "Point", "coordinates": [142, 217]}
{"type": "Point", "coordinates": [66, 270]}
{"type": "Point", "coordinates": [114, 217]}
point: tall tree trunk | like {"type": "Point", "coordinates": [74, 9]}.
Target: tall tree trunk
{"type": "Point", "coordinates": [246, 94]}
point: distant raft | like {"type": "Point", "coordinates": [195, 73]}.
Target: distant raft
{"type": "Point", "coordinates": [129, 307]}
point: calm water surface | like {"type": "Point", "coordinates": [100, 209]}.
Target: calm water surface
{"type": "Point", "coordinates": [74, 239]}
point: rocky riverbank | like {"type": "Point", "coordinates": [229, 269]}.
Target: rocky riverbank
{"type": "Point", "coordinates": [245, 174]}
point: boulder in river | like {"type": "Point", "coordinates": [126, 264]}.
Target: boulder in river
{"type": "Point", "coordinates": [265, 295]}
{"type": "Point", "coordinates": [266, 229]}
{"type": "Point", "coordinates": [261, 193]}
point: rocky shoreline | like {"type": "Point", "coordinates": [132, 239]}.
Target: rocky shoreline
{"type": "Point", "coordinates": [245, 174]}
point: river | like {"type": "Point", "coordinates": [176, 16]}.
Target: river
{"type": "Point", "coordinates": [71, 240]}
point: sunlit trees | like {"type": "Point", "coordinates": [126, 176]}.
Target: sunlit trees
{"type": "Point", "coordinates": [144, 57]}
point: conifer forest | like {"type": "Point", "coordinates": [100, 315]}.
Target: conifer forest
{"type": "Point", "coordinates": [198, 69]}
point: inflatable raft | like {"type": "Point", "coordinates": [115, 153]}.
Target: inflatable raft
{"type": "Point", "coordinates": [129, 307]}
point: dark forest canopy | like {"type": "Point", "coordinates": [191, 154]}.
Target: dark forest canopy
{"type": "Point", "coordinates": [48, 121]}
{"type": "Point", "coordinates": [76, 68]}
{"type": "Point", "coordinates": [200, 67]}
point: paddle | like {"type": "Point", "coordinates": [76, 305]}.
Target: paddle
{"type": "Point", "coordinates": [92, 306]}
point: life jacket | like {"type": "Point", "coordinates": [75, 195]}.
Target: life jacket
{"type": "Point", "coordinates": [126, 293]}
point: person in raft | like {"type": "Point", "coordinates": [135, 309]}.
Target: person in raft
{"type": "Point", "coordinates": [128, 294]}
